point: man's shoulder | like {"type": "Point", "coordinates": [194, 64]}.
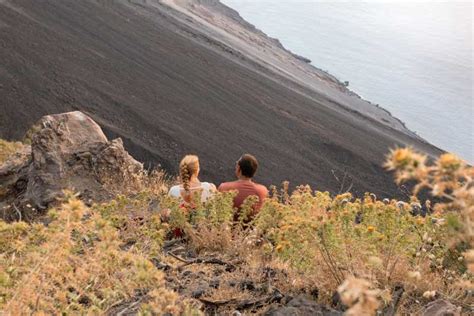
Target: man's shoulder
{"type": "Point", "coordinates": [261, 188]}
{"type": "Point", "coordinates": [226, 186]}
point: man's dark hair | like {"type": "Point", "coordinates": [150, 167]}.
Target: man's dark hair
{"type": "Point", "coordinates": [248, 165]}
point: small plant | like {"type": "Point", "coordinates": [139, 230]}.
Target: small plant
{"type": "Point", "coordinates": [359, 297]}
{"type": "Point", "coordinates": [78, 264]}
{"type": "Point", "coordinates": [449, 179]}
{"type": "Point", "coordinates": [207, 225]}
{"type": "Point", "coordinates": [7, 149]}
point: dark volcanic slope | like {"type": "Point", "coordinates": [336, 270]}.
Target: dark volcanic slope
{"type": "Point", "coordinates": [167, 91]}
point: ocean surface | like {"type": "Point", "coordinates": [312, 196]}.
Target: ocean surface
{"type": "Point", "coordinates": [413, 58]}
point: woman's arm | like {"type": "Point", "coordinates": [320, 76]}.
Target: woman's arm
{"type": "Point", "coordinates": [213, 188]}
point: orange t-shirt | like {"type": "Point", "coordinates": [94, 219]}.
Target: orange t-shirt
{"type": "Point", "coordinates": [245, 188]}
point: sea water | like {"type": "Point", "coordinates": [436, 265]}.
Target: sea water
{"type": "Point", "coordinates": [414, 58]}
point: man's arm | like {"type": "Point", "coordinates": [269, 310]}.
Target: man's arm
{"type": "Point", "coordinates": [263, 192]}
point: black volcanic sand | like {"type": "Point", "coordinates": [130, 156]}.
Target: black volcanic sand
{"type": "Point", "coordinates": [167, 91]}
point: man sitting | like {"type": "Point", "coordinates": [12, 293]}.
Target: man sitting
{"type": "Point", "coordinates": [245, 169]}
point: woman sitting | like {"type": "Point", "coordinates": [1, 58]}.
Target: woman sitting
{"type": "Point", "coordinates": [190, 186]}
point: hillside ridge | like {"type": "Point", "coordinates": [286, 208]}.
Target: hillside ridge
{"type": "Point", "coordinates": [168, 83]}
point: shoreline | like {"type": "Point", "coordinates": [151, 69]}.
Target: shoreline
{"type": "Point", "coordinates": [193, 9]}
{"type": "Point", "coordinates": [339, 81]}
{"type": "Point", "coordinates": [329, 75]}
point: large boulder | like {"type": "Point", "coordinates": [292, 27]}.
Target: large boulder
{"type": "Point", "coordinates": [68, 151]}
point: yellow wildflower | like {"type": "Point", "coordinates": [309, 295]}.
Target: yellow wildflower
{"type": "Point", "coordinates": [401, 157]}
{"type": "Point", "coordinates": [449, 162]}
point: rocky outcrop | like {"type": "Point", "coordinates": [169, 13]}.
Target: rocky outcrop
{"type": "Point", "coordinates": [301, 306]}
{"type": "Point", "coordinates": [68, 151]}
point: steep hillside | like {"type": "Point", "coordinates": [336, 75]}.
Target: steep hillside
{"type": "Point", "coordinates": [174, 77]}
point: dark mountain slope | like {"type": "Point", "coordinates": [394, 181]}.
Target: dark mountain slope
{"type": "Point", "coordinates": [168, 90]}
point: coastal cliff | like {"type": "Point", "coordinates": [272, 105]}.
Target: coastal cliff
{"type": "Point", "coordinates": [173, 77]}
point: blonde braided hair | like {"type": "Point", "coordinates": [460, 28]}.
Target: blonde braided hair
{"type": "Point", "coordinates": [188, 167]}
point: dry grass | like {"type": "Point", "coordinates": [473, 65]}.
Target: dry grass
{"type": "Point", "coordinates": [8, 149]}
{"type": "Point", "coordinates": [76, 265]}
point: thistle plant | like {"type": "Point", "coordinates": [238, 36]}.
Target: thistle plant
{"type": "Point", "coordinates": [448, 178]}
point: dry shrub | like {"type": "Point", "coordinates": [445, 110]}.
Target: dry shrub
{"type": "Point", "coordinates": [76, 264]}
{"type": "Point", "coordinates": [129, 181]}
{"type": "Point", "coordinates": [330, 239]}
{"type": "Point", "coordinates": [451, 180]}
{"type": "Point", "coordinates": [384, 242]}
{"type": "Point", "coordinates": [88, 260]}
{"type": "Point", "coordinates": [208, 226]}
{"type": "Point", "coordinates": [448, 178]}
{"type": "Point", "coordinates": [358, 295]}
{"type": "Point", "coordinates": [324, 240]}
{"type": "Point", "coordinates": [7, 149]}
{"type": "Point", "coordinates": [137, 221]}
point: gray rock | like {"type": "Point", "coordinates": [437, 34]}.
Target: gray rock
{"type": "Point", "coordinates": [441, 307]}
{"type": "Point", "coordinates": [214, 283]}
{"type": "Point", "coordinates": [198, 293]}
{"type": "Point", "coordinates": [302, 306]}
{"type": "Point", "coordinates": [68, 151]}
{"type": "Point", "coordinates": [11, 173]}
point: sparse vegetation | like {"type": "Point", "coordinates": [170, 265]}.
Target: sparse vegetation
{"type": "Point", "coordinates": [8, 148]}
{"type": "Point", "coordinates": [76, 264]}
{"type": "Point", "coordinates": [119, 255]}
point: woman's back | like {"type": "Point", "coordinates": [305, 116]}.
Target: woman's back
{"type": "Point", "coordinates": [206, 190]}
